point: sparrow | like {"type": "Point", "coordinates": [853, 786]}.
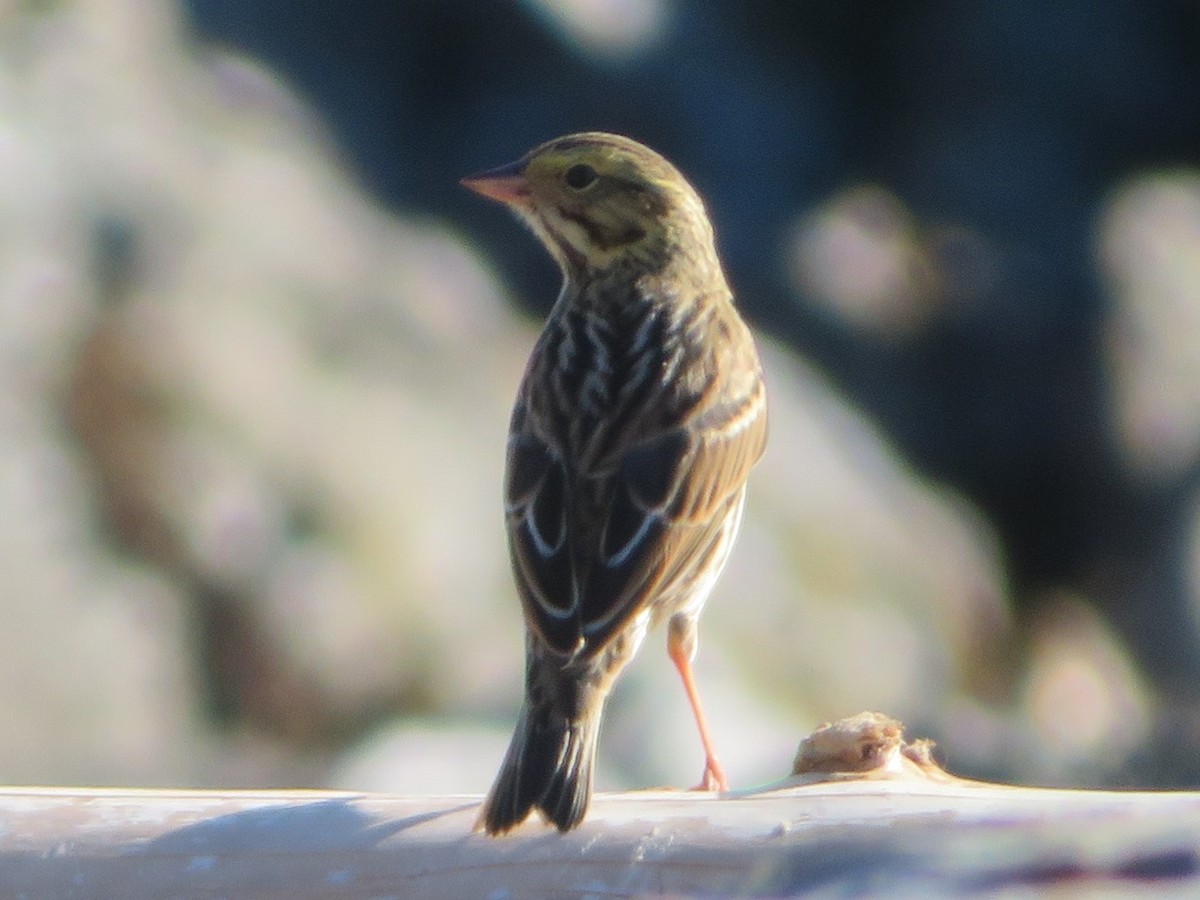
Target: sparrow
{"type": "Point", "coordinates": [640, 414]}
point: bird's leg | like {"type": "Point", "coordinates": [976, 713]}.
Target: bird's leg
{"type": "Point", "coordinates": [681, 646]}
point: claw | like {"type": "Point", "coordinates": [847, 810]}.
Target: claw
{"type": "Point", "coordinates": [714, 778]}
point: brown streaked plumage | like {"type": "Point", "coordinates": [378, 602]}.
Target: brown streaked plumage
{"type": "Point", "coordinates": [639, 418]}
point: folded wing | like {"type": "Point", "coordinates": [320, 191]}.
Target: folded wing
{"type": "Point", "coordinates": [592, 549]}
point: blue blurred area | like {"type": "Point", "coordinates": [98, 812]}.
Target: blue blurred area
{"type": "Point", "coordinates": [258, 350]}
{"type": "Point", "coordinates": [1007, 121]}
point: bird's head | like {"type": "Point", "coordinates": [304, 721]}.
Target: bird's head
{"type": "Point", "coordinates": [595, 199]}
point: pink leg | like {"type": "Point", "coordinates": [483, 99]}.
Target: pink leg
{"type": "Point", "coordinates": [714, 775]}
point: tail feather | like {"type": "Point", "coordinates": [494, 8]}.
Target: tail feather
{"type": "Point", "coordinates": [549, 766]}
{"type": "Point", "coordinates": [570, 789]}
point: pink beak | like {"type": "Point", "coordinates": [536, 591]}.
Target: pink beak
{"type": "Point", "coordinates": [507, 183]}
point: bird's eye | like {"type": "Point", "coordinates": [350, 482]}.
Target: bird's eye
{"type": "Point", "coordinates": [579, 176]}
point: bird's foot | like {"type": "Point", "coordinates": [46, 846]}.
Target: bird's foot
{"type": "Point", "coordinates": [714, 778]}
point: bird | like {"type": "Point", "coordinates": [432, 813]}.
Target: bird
{"type": "Point", "coordinates": [640, 414]}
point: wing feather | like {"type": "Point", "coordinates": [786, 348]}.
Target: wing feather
{"type": "Point", "coordinates": [592, 549]}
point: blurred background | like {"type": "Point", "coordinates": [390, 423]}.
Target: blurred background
{"type": "Point", "coordinates": [258, 348]}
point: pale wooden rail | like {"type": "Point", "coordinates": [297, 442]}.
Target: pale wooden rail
{"type": "Point", "coordinates": [855, 835]}
{"type": "Point", "coordinates": [886, 830]}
